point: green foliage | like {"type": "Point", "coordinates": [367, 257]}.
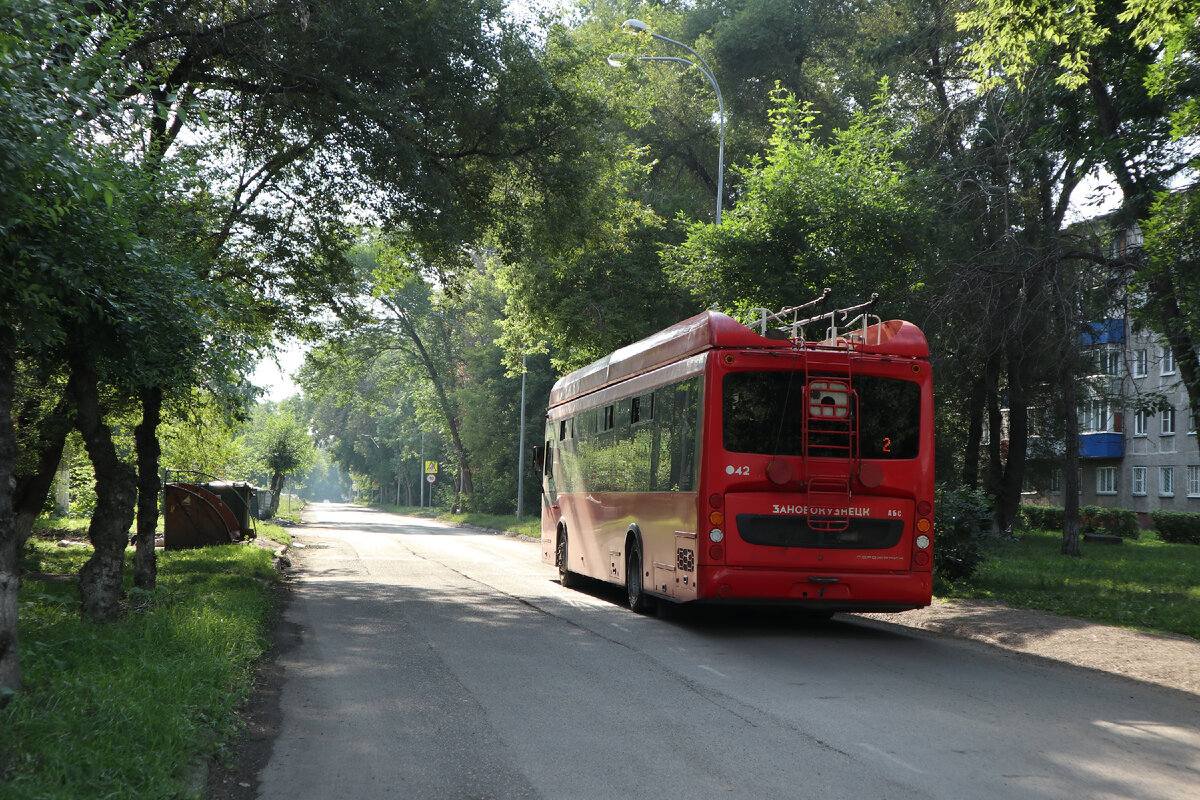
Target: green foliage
{"type": "Point", "coordinates": [169, 674]}
{"type": "Point", "coordinates": [1109, 521]}
{"type": "Point", "coordinates": [1146, 584]}
{"type": "Point", "coordinates": [1177, 526]}
{"type": "Point", "coordinates": [960, 517]}
{"type": "Point", "coordinates": [281, 442]}
{"type": "Point", "coordinates": [203, 434]}
{"type": "Point", "coordinates": [1041, 518]}
{"type": "Point", "coordinates": [811, 215]}
{"type": "Point", "coordinates": [1092, 519]}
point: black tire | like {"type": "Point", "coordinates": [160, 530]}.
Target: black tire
{"type": "Point", "coordinates": [565, 576]}
{"type": "Point", "coordinates": [639, 602]}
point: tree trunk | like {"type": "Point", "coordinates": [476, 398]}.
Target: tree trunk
{"type": "Point", "coordinates": [277, 481]}
{"type": "Point", "coordinates": [145, 562]}
{"type": "Point", "coordinates": [10, 579]}
{"type": "Point", "coordinates": [116, 496]}
{"type": "Point", "coordinates": [976, 405]}
{"type": "Point", "coordinates": [1070, 484]}
{"type": "Point", "coordinates": [449, 412]}
{"type": "Point", "coordinates": [1008, 501]}
{"type": "Point", "coordinates": [995, 419]}
{"type": "Point", "coordinates": [31, 490]}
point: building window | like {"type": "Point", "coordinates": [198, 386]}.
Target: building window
{"type": "Point", "coordinates": [1140, 422]}
{"type": "Point", "coordinates": [1167, 426]}
{"type": "Point", "coordinates": [1056, 482]}
{"type": "Point", "coordinates": [1139, 363]}
{"type": "Point", "coordinates": [1097, 416]}
{"type": "Point", "coordinates": [1166, 481]}
{"type": "Point", "coordinates": [1108, 361]}
{"type": "Point", "coordinates": [1106, 480]}
{"type": "Point", "coordinates": [1167, 365]}
{"type": "Point", "coordinates": [1137, 481]}
{"type": "Point", "coordinates": [1193, 478]}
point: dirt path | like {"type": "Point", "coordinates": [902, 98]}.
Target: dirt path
{"type": "Point", "coordinates": [1170, 661]}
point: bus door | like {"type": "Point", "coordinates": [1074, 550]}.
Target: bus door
{"type": "Point", "coordinates": [551, 513]}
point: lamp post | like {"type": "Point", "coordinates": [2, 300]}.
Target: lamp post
{"type": "Point", "coordinates": [614, 60]}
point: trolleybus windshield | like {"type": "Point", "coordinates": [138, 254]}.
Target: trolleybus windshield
{"type": "Point", "coordinates": [763, 413]}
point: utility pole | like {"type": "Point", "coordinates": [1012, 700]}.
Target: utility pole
{"type": "Point", "coordinates": [521, 447]}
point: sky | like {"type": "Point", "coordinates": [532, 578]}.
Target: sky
{"type": "Point", "coordinates": [276, 378]}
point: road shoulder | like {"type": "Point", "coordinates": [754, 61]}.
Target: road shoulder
{"type": "Point", "coordinates": [1170, 661]}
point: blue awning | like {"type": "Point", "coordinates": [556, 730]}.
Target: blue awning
{"type": "Point", "coordinates": [1107, 331]}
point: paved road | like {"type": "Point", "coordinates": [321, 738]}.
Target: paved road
{"type": "Point", "coordinates": [439, 663]}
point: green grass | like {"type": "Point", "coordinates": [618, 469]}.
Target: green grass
{"type": "Point", "coordinates": [267, 529]}
{"type": "Point", "coordinates": [75, 528]}
{"type": "Point", "coordinates": [64, 527]}
{"type": "Point", "coordinates": [129, 709]}
{"type": "Point", "coordinates": [290, 507]}
{"type": "Point", "coordinates": [1144, 584]}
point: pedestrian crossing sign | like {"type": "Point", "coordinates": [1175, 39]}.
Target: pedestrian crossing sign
{"type": "Point", "coordinates": [431, 467]}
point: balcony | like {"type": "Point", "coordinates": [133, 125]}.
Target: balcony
{"type": "Point", "coordinates": [1107, 331]}
{"type": "Point", "coordinates": [1102, 445]}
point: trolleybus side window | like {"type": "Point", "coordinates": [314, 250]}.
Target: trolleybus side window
{"type": "Point", "coordinates": [646, 443]}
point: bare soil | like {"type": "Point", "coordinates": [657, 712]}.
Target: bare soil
{"type": "Point", "coordinates": [1165, 660]}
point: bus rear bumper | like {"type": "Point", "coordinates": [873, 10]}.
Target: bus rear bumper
{"type": "Point", "coordinates": [833, 591]}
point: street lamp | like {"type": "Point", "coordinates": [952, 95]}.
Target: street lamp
{"type": "Point", "coordinates": [615, 60]}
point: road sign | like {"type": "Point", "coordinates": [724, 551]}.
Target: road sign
{"type": "Point", "coordinates": [430, 478]}
{"type": "Point", "coordinates": [431, 468]}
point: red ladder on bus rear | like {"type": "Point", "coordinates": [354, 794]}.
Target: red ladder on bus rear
{"type": "Point", "coordinates": [830, 434]}
{"type": "Point", "coordinates": [830, 429]}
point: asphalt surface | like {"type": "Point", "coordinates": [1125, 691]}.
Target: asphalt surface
{"type": "Point", "coordinates": [423, 661]}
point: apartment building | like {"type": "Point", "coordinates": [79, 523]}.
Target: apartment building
{"type": "Point", "coordinates": [1138, 442]}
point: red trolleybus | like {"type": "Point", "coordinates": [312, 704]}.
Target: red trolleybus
{"type": "Point", "coordinates": [719, 462]}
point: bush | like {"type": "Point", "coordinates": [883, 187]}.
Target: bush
{"type": "Point", "coordinates": [1092, 519]}
{"type": "Point", "coordinates": [1177, 526]}
{"type": "Point", "coordinates": [1041, 518]}
{"type": "Point", "coordinates": [960, 518]}
{"type": "Point", "coordinates": [1112, 521]}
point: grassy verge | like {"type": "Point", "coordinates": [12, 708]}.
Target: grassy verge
{"type": "Point", "coordinates": [129, 709]}
{"type": "Point", "coordinates": [268, 529]}
{"type": "Point", "coordinates": [1144, 584]}
{"type": "Point", "coordinates": [290, 508]}
{"type": "Point", "coordinates": [529, 526]}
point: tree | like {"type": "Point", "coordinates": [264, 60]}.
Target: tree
{"type": "Point", "coordinates": [51, 182]}
{"type": "Point", "coordinates": [202, 435]}
{"type": "Point", "coordinates": [280, 444]}
{"type": "Point", "coordinates": [810, 215]}
{"type": "Point", "coordinates": [1132, 64]}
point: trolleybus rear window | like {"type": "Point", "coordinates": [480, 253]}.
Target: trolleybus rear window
{"type": "Point", "coordinates": [764, 413]}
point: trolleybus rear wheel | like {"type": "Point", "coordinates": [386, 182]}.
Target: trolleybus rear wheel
{"type": "Point", "coordinates": [638, 601]}
{"type": "Point", "coordinates": [565, 576]}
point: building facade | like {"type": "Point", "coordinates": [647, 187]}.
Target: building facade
{"type": "Point", "coordinates": [1138, 442]}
